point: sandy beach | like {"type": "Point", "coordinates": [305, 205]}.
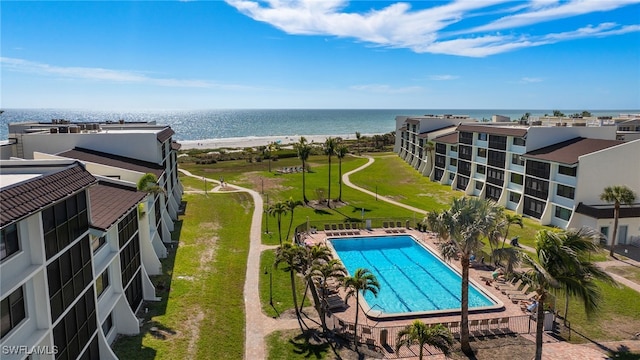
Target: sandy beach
{"type": "Point", "coordinates": [246, 142]}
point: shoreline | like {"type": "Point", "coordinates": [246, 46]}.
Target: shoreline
{"type": "Point", "coordinates": [256, 141]}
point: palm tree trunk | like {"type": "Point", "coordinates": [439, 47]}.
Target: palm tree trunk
{"type": "Point", "coordinates": [539, 327]}
{"type": "Point", "coordinates": [340, 180]}
{"type": "Point", "coordinates": [465, 346]}
{"type": "Point", "coordinates": [304, 193]}
{"type": "Point", "coordinates": [355, 325]}
{"type": "Point", "coordinates": [279, 228]}
{"type": "Point", "coordinates": [295, 299]}
{"type": "Point", "coordinates": [290, 224]}
{"type": "Point", "coordinates": [304, 296]}
{"type": "Point", "coordinates": [616, 214]}
{"type": "Point", "coordinates": [329, 189]}
{"type": "Point", "coordinates": [317, 303]}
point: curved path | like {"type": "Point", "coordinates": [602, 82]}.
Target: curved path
{"type": "Point", "coordinates": [346, 181]}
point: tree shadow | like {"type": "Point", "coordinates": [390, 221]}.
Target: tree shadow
{"type": "Point", "coordinates": [624, 353]}
{"type": "Point", "coordinates": [310, 345]}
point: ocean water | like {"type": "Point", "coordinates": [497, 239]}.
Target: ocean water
{"type": "Point", "coordinates": [223, 124]}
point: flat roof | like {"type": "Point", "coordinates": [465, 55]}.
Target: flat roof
{"type": "Point", "coordinates": [568, 152]}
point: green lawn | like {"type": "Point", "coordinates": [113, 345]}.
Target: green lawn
{"type": "Point", "coordinates": [204, 309]}
{"type": "Point", "coordinates": [279, 293]}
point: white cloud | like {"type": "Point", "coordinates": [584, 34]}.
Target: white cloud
{"type": "Point", "coordinates": [107, 75]}
{"type": "Point", "coordinates": [385, 89]}
{"type": "Point", "coordinates": [443, 77]}
{"type": "Point", "coordinates": [431, 30]}
{"type": "Point", "coordinates": [528, 80]}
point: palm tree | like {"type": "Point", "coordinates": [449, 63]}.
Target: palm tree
{"type": "Point", "coordinates": [268, 150]}
{"type": "Point", "coordinates": [291, 205]}
{"type": "Point", "coordinates": [435, 222]}
{"type": "Point", "coordinates": [420, 334]}
{"type": "Point", "coordinates": [363, 281]}
{"type": "Point", "coordinates": [358, 136]}
{"type": "Point", "coordinates": [429, 148]}
{"type": "Point", "coordinates": [563, 266]}
{"type": "Point", "coordinates": [511, 220]}
{"type": "Point", "coordinates": [304, 151]}
{"type": "Point", "coordinates": [329, 149]}
{"type": "Point", "coordinates": [292, 256]}
{"type": "Point", "coordinates": [277, 210]}
{"type": "Point", "coordinates": [313, 257]}
{"type": "Point", "coordinates": [466, 222]}
{"type": "Point", "coordinates": [149, 183]}
{"type": "Point", "coordinates": [619, 194]}
{"type": "Point", "coordinates": [341, 152]}
{"type": "Point", "coordinates": [322, 272]}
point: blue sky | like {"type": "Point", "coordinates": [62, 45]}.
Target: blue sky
{"type": "Point", "coordinates": [477, 54]}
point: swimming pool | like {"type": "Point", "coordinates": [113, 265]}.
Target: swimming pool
{"type": "Point", "coordinates": [413, 281]}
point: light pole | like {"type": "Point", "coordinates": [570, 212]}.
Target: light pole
{"type": "Point", "coordinates": [376, 192]}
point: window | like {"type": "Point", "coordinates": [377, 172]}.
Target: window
{"type": "Point", "coordinates": [64, 222]}
{"type": "Point", "coordinates": [454, 148]}
{"type": "Point", "coordinates": [565, 170]}
{"type": "Point", "coordinates": [519, 141]}
{"type": "Point", "coordinates": [107, 324]}
{"type": "Point", "coordinates": [482, 152]}
{"type": "Point", "coordinates": [533, 207]}
{"type": "Point", "coordinates": [9, 243]}
{"type": "Point", "coordinates": [565, 191]}
{"type": "Point", "coordinates": [481, 169]}
{"type": "Point", "coordinates": [452, 176]}
{"type": "Point", "coordinates": [102, 282]}
{"type": "Point", "coordinates": [462, 182]}
{"type": "Point", "coordinates": [516, 178]}
{"type": "Point", "coordinates": [464, 168]}
{"type": "Point", "coordinates": [12, 311]}
{"type": "Point", "coordinates": [441, 148]}
{"type": "Point", "coordinates": [127, 227]}
{"type": "Point", "coordinates": [514, 197]}
{"type": "Point", "coordinates": [465, 137]}
{"type": "Point", "coordinates": [465, 152]}
{"type": "Point", "coordinates": [538, 169]}
{"type": "Point", "coordinates": [517, 159]}
{"type": "Point", "coordinates": [495, 176]}
{"type": "Point", "coordinates": [562, 213]}
{"type": "Point", "coordinates": [68, 275]}
{"type": "Point", "coordinates": [536, 187]}
{"type": "Point", "coordinates": [479, 185]}
{"type": "Point", "coordinates": [97, 242]}
{"type": "Point", "coordinates": [453, 162]}
{"type": "Point", "coordinates": [482, 136]}
{"type": "Point", "coordinates": [604, 230]}
{"type": "Point", "coordinates": [438, 174]}
{"type": "Point", "coordinates": [493, 193]}
{"type": "Point", "coordinates": [76, 328]}
{"type": "Point", "coordinates": [498, 142]}
{"type": "Point", "coordinates": [496, 158]}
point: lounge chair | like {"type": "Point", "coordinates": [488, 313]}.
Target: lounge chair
{"type": "Point", "coordinates": [385, 225]}
{"type": "Point", "coordinates": [341, 229]}
{"type": "Point", "coordinates": [515, 298]}
{"type": "Point", "coordinates": [512, 285]}
{"type": "Point", "coordinates": [335, 302]}
{"type": "Point", "coordinates": [521, 291]}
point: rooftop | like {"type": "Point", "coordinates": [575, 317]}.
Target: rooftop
{"type": "Point", "coordinates": [35, 185]}
{"type": "Point", "coordinates": [107, 159]}
{"type": "Point", "coordinates": [109, 201]}
{"type": "Point", "coordinates": [568, 152]}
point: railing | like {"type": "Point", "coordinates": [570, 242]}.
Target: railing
{"type": "Point", "coordinates": [383, 338]}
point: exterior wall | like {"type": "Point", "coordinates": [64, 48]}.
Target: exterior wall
{"type": "Point", "coordinates": [137, 145]}
{"type": "Point", "coordinates": [612, 166]}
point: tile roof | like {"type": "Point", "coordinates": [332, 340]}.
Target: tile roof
{"type": "Point", "coordinates": [109, 202]}
{"type": "Point", "coordinates": [606, 211]}
{"type": "Point", "coordinates": [448, 138]}
{"type": "Point", "coordinates": [25, 198]}
{"type": "Point", "coordinates": [494, 129]}
{"type": "Point", "coordinates": [567, 152]}
{"type": "Point", "coordinates": [175, 145]}
{"type": "Point", "coordinates": [122, 162]}
{"type": "Point", "coordinates": [165, 134]}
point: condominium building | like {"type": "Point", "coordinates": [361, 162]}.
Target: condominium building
{"type": "Point", "coordinates": [551, 174]}
{"type": "Point", "coordinates": [122, 150]}
{"type": "Point", "coordinates": [75, 255]}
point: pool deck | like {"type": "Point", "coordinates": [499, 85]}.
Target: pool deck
{"type": "Point", "coordinates": [428, 240]}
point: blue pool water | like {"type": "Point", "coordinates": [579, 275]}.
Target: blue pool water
{"type": "Point", "coordinates": [411, 278]}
